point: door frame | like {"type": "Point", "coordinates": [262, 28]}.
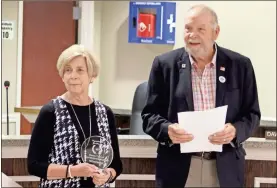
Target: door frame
{"type": "Point", "coordinates": [19, 64]}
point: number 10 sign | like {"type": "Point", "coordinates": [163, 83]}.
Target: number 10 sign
{"type": "Point", "coordinates": [7, 30]}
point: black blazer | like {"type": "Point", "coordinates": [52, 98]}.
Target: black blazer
{"type": "Point", "coordinates": [170, 92]}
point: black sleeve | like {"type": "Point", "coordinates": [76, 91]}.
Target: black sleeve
{"type": "Point", "coordinates": [154, 123]}
{"type": "Point", "coordinates": [116, 163]}
{"type": "Point", "coordinates": [41, 142]}
{"type": "Point", "coordinates": [250, 116]}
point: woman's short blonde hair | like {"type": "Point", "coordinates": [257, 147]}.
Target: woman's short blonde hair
{"type": "Point", "coordinates": [74, 51]}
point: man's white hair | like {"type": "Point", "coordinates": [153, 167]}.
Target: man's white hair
{"type": "Point", "coordinates": [202, 8]}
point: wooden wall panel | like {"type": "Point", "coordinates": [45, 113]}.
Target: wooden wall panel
{"type": "Point", "coordinates": [269, 185]}
{"type": "Point", "coordinates": [15, 167]}
{"type": "Point", "coordinates": [134, 183]}
{"type": "Point", "coordinates": [29, 184]}
{"type": "Point", "coordinates": [254, 168]}
{"type": "Point", "coordinates": [138, 166]}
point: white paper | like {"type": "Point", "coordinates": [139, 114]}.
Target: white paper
{"type": "Point", "coordinates": [201, 124]}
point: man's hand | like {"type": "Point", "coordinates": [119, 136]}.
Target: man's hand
{"type": "Point", "coordinates": [225, 136]}
{"type": "Point", "coordinates": [178, 134]}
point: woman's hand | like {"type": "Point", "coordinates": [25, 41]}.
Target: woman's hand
{"type": "Point", "coordinates": [83, 170]}
{"type": "Point", "coordinates": [101, 177]}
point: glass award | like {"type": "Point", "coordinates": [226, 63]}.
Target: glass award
{"type": "Point", "coordinates": [98, 151]}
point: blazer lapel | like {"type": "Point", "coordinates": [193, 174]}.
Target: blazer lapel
{"type": "Point", "coordinates": [184, 67]}
{"type": "Point", "coordinates": [221, 77]}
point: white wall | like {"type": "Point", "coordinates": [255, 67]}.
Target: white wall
{"type": "Point", "coordinates": [124, 65]}
{"type": "Point", "coordinates": [246, 27]}
{"type": "Point", "coordinates": [97, 44]}
{"type": "Point", "coordinates": [9, 65]}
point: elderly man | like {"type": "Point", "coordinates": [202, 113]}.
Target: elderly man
{"type": "Point", "coordinates": [201, 76]}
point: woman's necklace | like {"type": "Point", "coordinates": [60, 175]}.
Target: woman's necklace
{"type": "Point", "coordinates": [85, 178]}
{"type": "Point", "coordinates": [80, 123]}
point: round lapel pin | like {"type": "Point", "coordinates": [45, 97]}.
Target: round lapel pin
{"type": "Point", "coordinates": [222, 79]}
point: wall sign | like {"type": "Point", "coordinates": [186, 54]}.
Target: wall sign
{"type": "Point", "coordinates": [270, 134]}
{"type": "Point", "coordinates": [7, 30]}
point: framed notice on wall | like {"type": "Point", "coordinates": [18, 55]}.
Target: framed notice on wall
{"type": "Point", "coordinates": [8, 30]}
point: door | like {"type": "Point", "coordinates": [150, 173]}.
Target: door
{"type": "Point", "coordinates": [48, 28]}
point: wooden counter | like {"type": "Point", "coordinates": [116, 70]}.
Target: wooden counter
{"type": "Point", "coordinates": [122, 117]}
{"type": "Point", "coordinates": [34, 110]}
{"type": "Point", "coordinates": [29, 115]}
{"type": "Point", "coordinates": [138, 155]}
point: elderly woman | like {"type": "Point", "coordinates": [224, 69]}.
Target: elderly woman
{"type": "Point", "coordinates": [65, 122]}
